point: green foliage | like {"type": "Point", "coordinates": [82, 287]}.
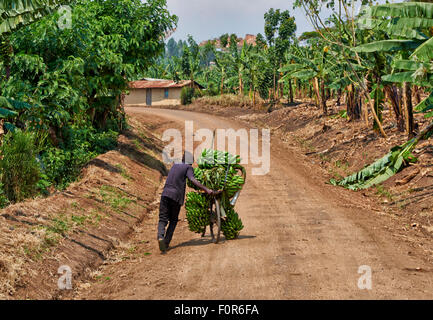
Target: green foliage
{"type": "Point", "coordinates": [381, 170]}
{"type": "Point", "coordinates": [81, 72]}
{"type": "Point", "coordinates": [224, 40]}
{"type": "Point", "coordinates": [186, 95]}
{"type": "Point", "coordinates": [4, 201]}
{"type": "Point", "coordinates": [18, 13]}
{"type": "Point", "coordinates": [232, 70]}
{"type": "Point", "coordinates": [116, 198]}
{"type": "Point", "coordinates": [63, 165]}
{"type": "Point", "coordinates": [18, 165]}
{"type": "Point", "coordinates": [70, 82]}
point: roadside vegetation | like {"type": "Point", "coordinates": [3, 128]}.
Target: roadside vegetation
{"type": "Point", "coordinates": [62, 83]}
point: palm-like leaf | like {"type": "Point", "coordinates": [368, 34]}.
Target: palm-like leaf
{"type": "Point", "coordinates": [17, 13]}
{"type": "Point", "coordinates": [387, 45]}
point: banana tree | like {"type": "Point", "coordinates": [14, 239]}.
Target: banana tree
{"type": "Point", "coordinates": [412, 65]}
{"type": "Point", "coordinates": [15, 14]}
{"type": "Point", "coordinates": [302, 67]}
{"type": "Point", "coordinates": [241, 64]}
{"type": "Point", "coordinates": [222, 63]}
{"type": "Point", "coordinates": [406, 25]}
{"type": "Point", "coordinates": [253, 62]}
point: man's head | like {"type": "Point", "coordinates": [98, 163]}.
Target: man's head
{"type": "Point", "coordinates": [188, 157]}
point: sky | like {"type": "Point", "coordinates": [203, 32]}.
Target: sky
{"type": "Point", "coordinates": [208, 19]}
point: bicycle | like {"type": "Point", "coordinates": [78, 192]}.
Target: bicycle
{"type": "Point", "coordinates": [215, 218]}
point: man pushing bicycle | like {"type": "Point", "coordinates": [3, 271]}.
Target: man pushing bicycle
{"type": "Point", "coordinates": [173, 196]}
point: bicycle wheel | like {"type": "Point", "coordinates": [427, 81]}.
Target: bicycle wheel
{"type": "Point", "coordinates": [217, 221]}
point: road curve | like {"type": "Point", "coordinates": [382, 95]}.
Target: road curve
{"type": "Point", "coordinates": [299, 242]}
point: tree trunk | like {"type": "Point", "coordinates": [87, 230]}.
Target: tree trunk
{"type": "Point", "coordinates": [274, 93]}
{"type": "Point", "coordinates": [323, 98]}
{"type": "Point", "coordinates": [354, 103]}
{"type": "Point", "coordinates": [392, 94]}
{"type": "Point", "coordinates": [310, 89]}
{"type": "Point", "coordinates": [338, 97]}
{"type": "Point", "coordinates": [408, 109]}
{"type": "Point", "coordinates": [417, 94]}
{"type": "Point", "coordinates": [241, 85]}
{"type": "Point", "coordinates": [222, 84]}
{"type": "Point", "coordinates": [366, 93]}
{"type": "Point", "coordinates": [316, 89]}
{"type": "Point", "coordinates": [253, 89]}
{"type": "Point", "coordinates": [290, 91]}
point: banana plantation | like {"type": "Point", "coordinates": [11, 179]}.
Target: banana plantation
{"type": "Point", "coordinates": [374, 58]}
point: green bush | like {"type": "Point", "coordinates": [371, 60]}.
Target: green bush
{"type": "Point", "coordinates": [103, 141]}
{"type": "Point", "coordinates": [19, 168]}
{"type": "Point", "coordinates": [4, 201]}
{"type": "Point", "coordinates": [212, 90]}
{"type": "Point", "coordinates": [63, 165]}
{"type": "Point", "coordinates": [199, 93]}
{"type": "Point", "coordinates": [186, 95]}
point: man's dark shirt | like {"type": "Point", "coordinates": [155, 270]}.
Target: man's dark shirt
{"type": "Point", "coordinates": [176, 182]}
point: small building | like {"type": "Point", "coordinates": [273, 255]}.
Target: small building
{"type": "Point", "coordinates": [156, 92]}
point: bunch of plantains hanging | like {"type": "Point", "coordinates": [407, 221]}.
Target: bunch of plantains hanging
{"type": "Point", "coordinates": [217, 170]}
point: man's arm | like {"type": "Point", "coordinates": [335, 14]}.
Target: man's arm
{"type": "Point", "coordinates": [190, 176]}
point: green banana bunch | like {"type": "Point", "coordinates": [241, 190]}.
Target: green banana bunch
{"type": "Point", "coordinates": [197, 211]}
{"type": "Point", "coordinates": [212, 172]}
{"type": "Point", "coordinates": [233, 185]}
{"type": "Point", "coordinates": [231, 225]}
{"type": "Point", "coordinates": [211, 158]}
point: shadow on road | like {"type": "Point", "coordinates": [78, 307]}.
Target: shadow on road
{"type": "Point", "coordinates": [207, 240]}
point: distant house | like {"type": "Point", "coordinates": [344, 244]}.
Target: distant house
{"type": "Point", "coordinates": [156, 92]}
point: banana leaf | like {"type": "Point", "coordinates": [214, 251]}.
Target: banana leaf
{"type": "Point", "coordinates": [340, 83]}
{"type": "Point", "coordinates": [384, 168]}
{"type": "Point", "coordinates": [408, 76]}
{"type": "Point", "coordinates": [428, 114]}
{"type": "Point", "coordinates": [10, 127]}
{"type": "Point", "coordinates": [403, 26]}
{"type": "Point", "coordinates": [387, 45]}
{"type": "Point", "coordinates": [380, 170]}
{"type": "Point", "coordinates": [291, 67]}
{"type": "Point", "coordinates": [419, 10]}
{"type": "Point", "coordinates": [424, 52]}
{"type": "Point", "coordinates": [403, 29]}
{"type": "Point", "coordinates": [408, 65]}
{"type": "Point", "coordinates": [397, 27]}
{"type": "Point", "coordinates": [24, 12]}
{"type": "Point", "coordinates": [426, 106]}
{"type": "Point", "coordinates": [5, 109]}
{"type": "Point", "coordinates": [304, 74]}
{"type": "Point", "coordinates": [303, 61]}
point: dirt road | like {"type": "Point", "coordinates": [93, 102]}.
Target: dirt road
{"type": "Point", "coordinates": [302, 240]}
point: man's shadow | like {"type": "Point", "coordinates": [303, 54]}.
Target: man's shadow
{"type": "Point", "coordinates": [207, 240]}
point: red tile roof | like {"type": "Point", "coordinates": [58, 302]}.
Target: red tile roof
{"type": "Point", "coordinates": [150, 84]}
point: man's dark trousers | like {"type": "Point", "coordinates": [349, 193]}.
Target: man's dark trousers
{"type": "Point", "coordinates": [168, 212]}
